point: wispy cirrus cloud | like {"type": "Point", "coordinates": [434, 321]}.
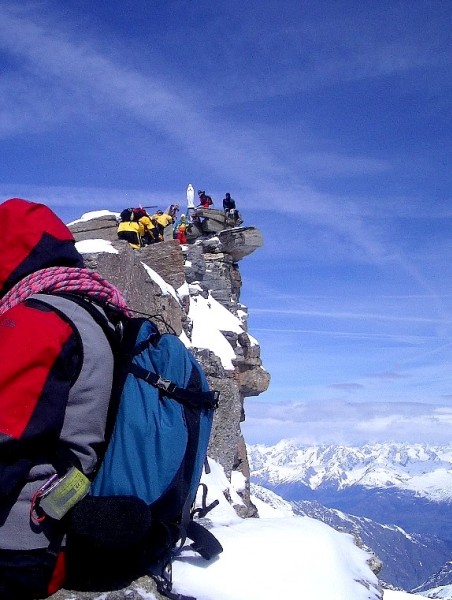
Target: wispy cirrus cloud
{"type": "Point", "coordinates": [352, 315]}
{"type": "Point", "coordinates": [76, 78]}
{"type": "Point", "coordinates": [347, 387]}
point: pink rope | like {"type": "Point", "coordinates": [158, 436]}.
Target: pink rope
{"type": "Point", "coordinates": [84, 282]}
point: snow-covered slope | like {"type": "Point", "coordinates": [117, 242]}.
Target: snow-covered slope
{"type": "Point", "coordinates": [424, 470]}
{"type": "Point", "coordinates": [279, 556]}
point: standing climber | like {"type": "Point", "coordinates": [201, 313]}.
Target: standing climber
{"type": "Point", "coordinates": [55, 384]}
{"type": "Point", "coordinates": [163, 221]}
{"type": "Point", "coordinates": [172, 211]}
{"type": "Point", "coordinates": [180, 230]}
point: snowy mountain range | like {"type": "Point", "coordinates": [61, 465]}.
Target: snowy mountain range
{"type": "Point", "coordinates": [424, 470]}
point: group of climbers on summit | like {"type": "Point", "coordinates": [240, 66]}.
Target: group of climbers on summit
{"type": "Point", "coordinates": [139, 228]}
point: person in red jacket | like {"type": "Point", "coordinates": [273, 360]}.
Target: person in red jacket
{"type": "Point", "coordinates": [205, 201]}
{"type": "Point", "coordinates": [55, 385]}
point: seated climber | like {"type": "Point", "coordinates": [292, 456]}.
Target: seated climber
{"type": "Point", "coordinates": [230, 211]}
{"type": "Point", "coordinates": [205, 201]}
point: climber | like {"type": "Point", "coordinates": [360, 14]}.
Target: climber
{"type": "Point", "coordinates": [230, 211]}
{"type": "Point", "coordinates": [55, 386]}
{"type": "Point", "coordinates": [172, 211]}
{"type": "Point", "coordinates": [163, 220]}
{"type": "Point", "coordinates": [180, 230]}
{"type": "Point", "coordinates": [137, 228]}
{"type": "Point", "coordinates": [204, 200]}
{"type": "Point", "coordinates": [131, 230]}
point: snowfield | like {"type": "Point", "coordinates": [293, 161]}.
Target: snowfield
{"type": "Point", "coordinates": [277, 556]}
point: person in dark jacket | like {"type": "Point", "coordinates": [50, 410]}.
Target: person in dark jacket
{"type": "Point", "coordinates": [228, 202]}
{"type": "Point", "coordinates": [55, 385]}
{"type": "Point", "coordinates": [231, 213]}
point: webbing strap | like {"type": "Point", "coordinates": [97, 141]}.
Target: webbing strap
{"type": "Point", "coordinates": [162, 573]}
{"type": "Point", "coordinates": [204, 542]}
{"type": "Point", "coordinates": [205, 508]}
{"type": "Point", "coordinates": [193, 399]}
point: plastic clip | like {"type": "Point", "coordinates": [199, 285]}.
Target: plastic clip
{"type": "Point", "coordinates": [165, 384]}
{"type": "Point", "coordinates": [37, 515]}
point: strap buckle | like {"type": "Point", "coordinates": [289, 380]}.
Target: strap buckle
{"type": "Point", "coordinates": [165, 384]}
{"type": "Point", "coordinates": [215, 398]}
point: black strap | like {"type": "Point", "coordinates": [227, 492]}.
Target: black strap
{"type": "Point", "coordinates": [205, 508]}
{"type": "Point", "coordinates": [208, 399]}
{"type": "Point", "coordinates": [204, 542]}
{"type": "Point", "coordinates": [162, 573]}
{"type": "Point", "coordinates": [192, 399]}
{"type": "Point", "coordinates": [103, 321]}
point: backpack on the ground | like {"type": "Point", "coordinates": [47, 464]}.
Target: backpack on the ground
{"type": "Point", "coordinates": [158, 428]}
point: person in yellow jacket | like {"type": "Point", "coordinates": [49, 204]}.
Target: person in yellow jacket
{"type": "Point", "coordinates": [138, 229]}
{"type": "Point", "coordinates": [132, 232]}
{"type": "Point", "coordinates": [151, 230]}
{"type": "Point", "coordinates": [163, 221]}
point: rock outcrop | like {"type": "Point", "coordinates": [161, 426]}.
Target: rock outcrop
{"type": "Point", "coordinates": [163, 280]}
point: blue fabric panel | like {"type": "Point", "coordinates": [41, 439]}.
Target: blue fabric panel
{"type": "Point", "coordinates": [150, 436]}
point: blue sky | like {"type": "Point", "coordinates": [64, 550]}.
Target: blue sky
{"type": "Point", "coordinates": [330, 124]}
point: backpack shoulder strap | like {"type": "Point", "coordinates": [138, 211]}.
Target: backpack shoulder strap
{"type": "Point", "coordinates": [105, 322]}
{"type": "Point", "coordinates": [204, 542]}
{"type": "Point", "coordinates": [114, 340]}
{"type": "Point", "coordinates": [194, 399]}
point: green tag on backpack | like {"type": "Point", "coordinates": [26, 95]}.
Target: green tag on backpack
{"type": "Point", "coordinates": [64, 494]}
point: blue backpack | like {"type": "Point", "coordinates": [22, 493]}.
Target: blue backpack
{"type": "Point", "coordinates": [140, 509]}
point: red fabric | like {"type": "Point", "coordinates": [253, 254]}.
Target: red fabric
{"type": "Point", "coordinates": [58, 575]}
{"type": "Point", "coordinates": [25, 369]}
{"type": "Point", "coordinates": [22, 225]}
{"type": "Point", "coordinates": [181, 237]}
{"type": "Point", "coordinates": [206, 202]}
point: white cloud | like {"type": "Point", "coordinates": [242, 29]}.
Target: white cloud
{"type": "Point", "coordinates": [355, 423]}
{"type": "Point", "coordinates": [86, 80]}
